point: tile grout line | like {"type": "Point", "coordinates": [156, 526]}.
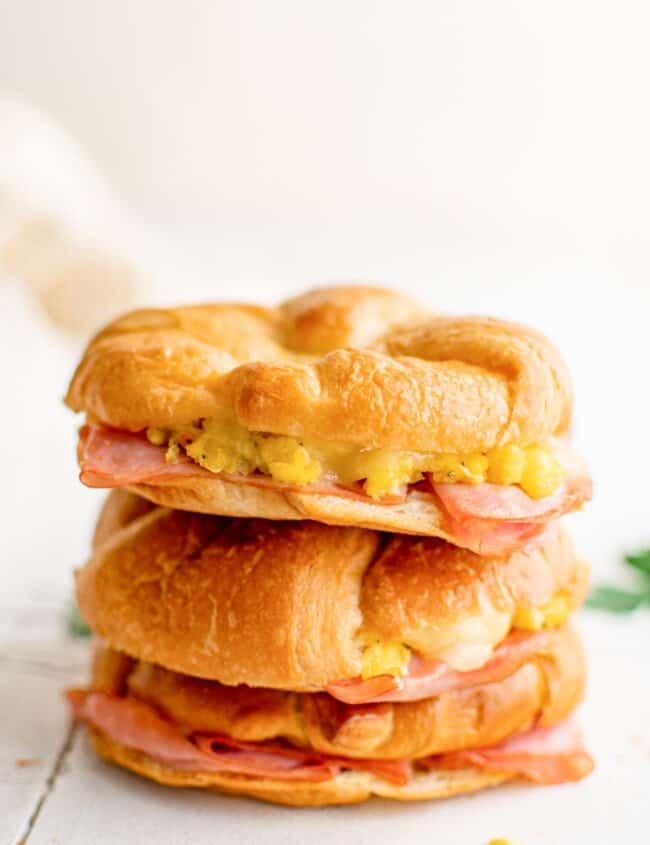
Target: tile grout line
{"type": "Point", "coordinates": [49, 783]}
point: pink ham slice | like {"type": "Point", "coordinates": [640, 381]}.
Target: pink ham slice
{"type": "Point", "coordinates": [137, 725]}
{"type": "Point", "coordinates": [110, 457]}
{"type": "Point", "coordinates": [282, 756]}
{"type": "Point", "coordinates": [489, 519]}
{"type": "Point", "coordinates": [543, 755]}
{"type": "Point", "coordinates": [428, 678]}
{"type": "Point", "coordinates": [489, 538]}
{"type": "Point", "coordinates": [497, 519]}
{"type": "Point", "coordinates": [502, 503]}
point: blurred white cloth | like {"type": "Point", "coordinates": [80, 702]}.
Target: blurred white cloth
{"type": "Point", "coordinates": [60, 230]}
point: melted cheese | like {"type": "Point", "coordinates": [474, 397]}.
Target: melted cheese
{"type": "Point", "coordinates": [464, 646]}
{"type": "Point", "coordinates": [222, 446]}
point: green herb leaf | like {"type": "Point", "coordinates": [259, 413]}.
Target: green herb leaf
{"type": "Point", "coordinates": [640, 561]}
{"type": "Point", "coordinates": [75, 624]}
{"type": "Point", "coordinates": [616, 600]}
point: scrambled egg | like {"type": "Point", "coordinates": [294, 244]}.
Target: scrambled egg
{"type": "Point", "coordinates": [465, 646]}
{"type": "Point", "coordinates": [389, 658]}
{"type": "Point", "coordinates": [229, 447]}
{"type": "Point", "coordinates": [551, 615]}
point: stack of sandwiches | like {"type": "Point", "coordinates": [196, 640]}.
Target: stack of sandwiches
{"type": "Point", "coordinates": [331, 564]}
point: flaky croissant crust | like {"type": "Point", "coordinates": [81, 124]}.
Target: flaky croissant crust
{"type": "Point", "coordinates": [356, 365]}
{"type": "Point", "coordinates": [345, 788]}
{"type": "Point", "coordinates": [283, 605]}
{"type": "Point", "coordinates": [544, 690]}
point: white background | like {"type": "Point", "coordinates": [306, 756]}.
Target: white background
{"type": "Point", "coordinates": [487, 157]}
{"type": "Point", "coordinates": [401, 140]}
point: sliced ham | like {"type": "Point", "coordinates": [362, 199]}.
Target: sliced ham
{"type": "Point", "coordinates": [543, 755]}
{"type": "Point", "coordinates": [428, 678]}
{"type": "Point", "coordinates": [488, 518]}
{"type": "Point", "coordinates": [282, 757]}
{"type": "Point", "coordinates": [110, 457]}
{"type": "Point", "coordinates": [137, 725]}
{"type": "Point", "coordinates": [268, 760]}
{"type": "Point", "coordinates": [486, 537]}
{"type": "Point", "coordinates": [497, 519]}
{"type": "Point", "coordinates": [505, 503]}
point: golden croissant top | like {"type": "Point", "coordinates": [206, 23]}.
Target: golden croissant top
{"type": "Point", "coordinates": [357, 366]}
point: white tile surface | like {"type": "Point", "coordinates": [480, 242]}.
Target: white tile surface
{"type": "Point", "coordinates": [36, 663]}
{"type": "Point", "coordinates": [91, 801]}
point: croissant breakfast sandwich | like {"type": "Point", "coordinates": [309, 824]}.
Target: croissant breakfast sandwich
{"type": "Point", "coordinates": [347, 406]}
{"type": "Point", "coordinates": [310, 664]}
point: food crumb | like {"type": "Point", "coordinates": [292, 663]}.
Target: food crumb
{"type": "Point", "coordinates": [501, 841]}
{"type": "Point", "coordinates": [24, 762]}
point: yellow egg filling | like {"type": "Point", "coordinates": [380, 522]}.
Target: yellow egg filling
{"type": "Point", "coordinates": [221, 446]}
{"type": "Point", "coordinates": [551, 615]}
{"type": "Point", "coordinates": [389, 658]}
